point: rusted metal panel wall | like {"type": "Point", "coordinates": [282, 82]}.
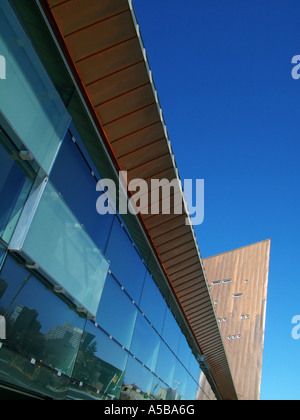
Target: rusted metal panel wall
{"type": "Point", "coordinates": [238, 283]}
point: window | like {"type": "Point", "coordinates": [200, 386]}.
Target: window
{"type": "Point", "coordinates": [28, 98]}
{"type": "Point", "coordinates": [154, 313]}
{"type": "Point", "coordinates": [166, 364]}
{"type": "Point", "coordinates": [227, 281]}
{"type": "Point", "coordinates": [14, 189]}
{"type": "Point", "coordinates": [60, 246]}
{"type": "Point", "coordinates": [72, 178]}
{"type": "Point", "coordinates": [116, 314]}
{"type": "Point", "coordinates": [101, 362]}
{"type": "Point", "coordinates": [145, 343]}
{"type": "Point", "coordinates": [171, 332]}
{"type": "Point", "coordinates": [138, 381]}
{"type": "Point", "coordinates": [43, 328]}
{"type": "Point", "coordinates": [126, 264]}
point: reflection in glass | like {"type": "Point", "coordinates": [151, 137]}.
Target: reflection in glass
{"type": "Point", "coordinates": [166, 364]}
{"type": "Point", "coordinates": [62, 248]}
{"type": "Point", "coordinates": [116, 314]}
{"type": "Point", "coordinates": [14, 189]}
{"type": "Point", "coordinates": [159, 389]}
{"type": "Point", "coordinates": [180, 381]}
{"type": "Point", "coordinates": [45, 328]}
{"type": "Point", "coordinates": [171, 331]}
{"type": "Point", "coordinates": [145, 343]}
{"type": "Point", "coordinates": [2, 258]}
{"type": "Point", "coordinates": [19, 371]}
{"type": "Point", "coordinates": [191, 389]}
{"type": "Point", "coordinates": [194, 368]}
{"type": "Point", "coordinates": [155, 313]}
{"type": "Point", "coordinates": [126, 263]}
{"type": "Point", "coordinates": [137, 382]}
{"type": "Point", "coordinates": [101, 362]}
{"type": "Point", "coordinates": [13, 278]}
{"type": "Point", "coordinates": [184, 352]}
{"type": "Point", "coordinates": [72, 178]}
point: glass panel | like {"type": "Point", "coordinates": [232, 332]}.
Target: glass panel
{"type": "Point", "coordinates": [101, 362]}
{"type": "Point", "coordinates": [137, 382]}
{"type": "Point", "coordinates": [42, 328]}
{"type": "Point", "coordinates": [159, 389]}
{"type": "Point", "coordinates": [166, 364]}
{"type": "Point", "coordinates": [18, 370]}
{"type": "Point", "coordinates": [117, 314]}
{"type": "Point", "coordinates": [72, 178]}
{"type": "Point", "coordinates": [80, 391]}
{"type": "Point", "coordinates": [145, 343]}
{"type": "Point", "coordinates": [180, 381]}
{"type": "Point", "coordinates": [14, 189]}
{"type": "Point", "coordinates": [2, 258]}
{"type": "Point", "coordinates": [12, 281]}
{"type": "Point", "coordinates": [171, 331]}
{"type": "Point", "coordinates": [38, 113]}
{"type": "Point", "coordinates": [194, 368]}
{"type": "Point", "coordinates": [184, 352]}
{"type": "Point", "coordinates": [126, 264]}
{"type": "Point", "coordinates": [191, 389]}
{"type": "Point", "coordinates": [155, 313]}
{"type": "Point", "coordinates": [61, 247]}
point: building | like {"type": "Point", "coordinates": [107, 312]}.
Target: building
{"type": "Point", "coordinates": [238, 281]}
{"type": "Point", "coordinates": [120, 303]}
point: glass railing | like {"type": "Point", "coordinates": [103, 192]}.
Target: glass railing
{"type": "Point", "coordinates": [58, 243]}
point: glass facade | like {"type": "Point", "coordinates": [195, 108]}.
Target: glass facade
{"type": "Point", "coordinates": [38, 112]}
{"type": "Point", "coordinates": [132, 347]}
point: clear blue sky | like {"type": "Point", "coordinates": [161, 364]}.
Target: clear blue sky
{"type": "Point", "coordinates": [223, 74]}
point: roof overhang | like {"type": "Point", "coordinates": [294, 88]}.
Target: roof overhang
{"type": "Point", "coordinates": [102, 45]}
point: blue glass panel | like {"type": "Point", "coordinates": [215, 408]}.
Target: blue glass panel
{"type": "Point", "coordinates": [166, 364]}
{"type": "Point", "coordinates": [160, 391]}
{"type": "Point", "coordinates": [171, 331]}
{"type": "Point", "coordinates": [2, 258]}
{"type": "Point", "coordinates": [180, 380]}
{"type": "Point", "coordinates": [38, 324]}
{"type": "Point", "coordinates": [138, 381]}
{"type": "Point", "coordinates": [72, 178]}
{"type": "Point", "coordinates": [38, 115]}
{"type": "Point", "coordinates": [116, 314]}
{"type": "Point", "coordinates": [184, 352]}
{"type": "Point", "coordinates": [63, 249]}
{"type": "Point", "coordinates": [191, 389]}
{"type": "Point", "coordinates": [145, 343]}
{"type": "Point", "coordinates": [14, 189]}
{"type": "Point", "coordinates": [194, 368]}
{"type": "Point", "coordinates": [101, 362]}
{"type": "Point", "coordinates": [126, 264]}
{"type": "Point", "coordinates": [12, 280]}
{"type": "Point", "coordinates": [154, 312]}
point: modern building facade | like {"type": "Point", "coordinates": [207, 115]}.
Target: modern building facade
{"type": "Point", "coordinates": [111, 306]}
{"type": "Point", "coordinates": [238, 281]}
